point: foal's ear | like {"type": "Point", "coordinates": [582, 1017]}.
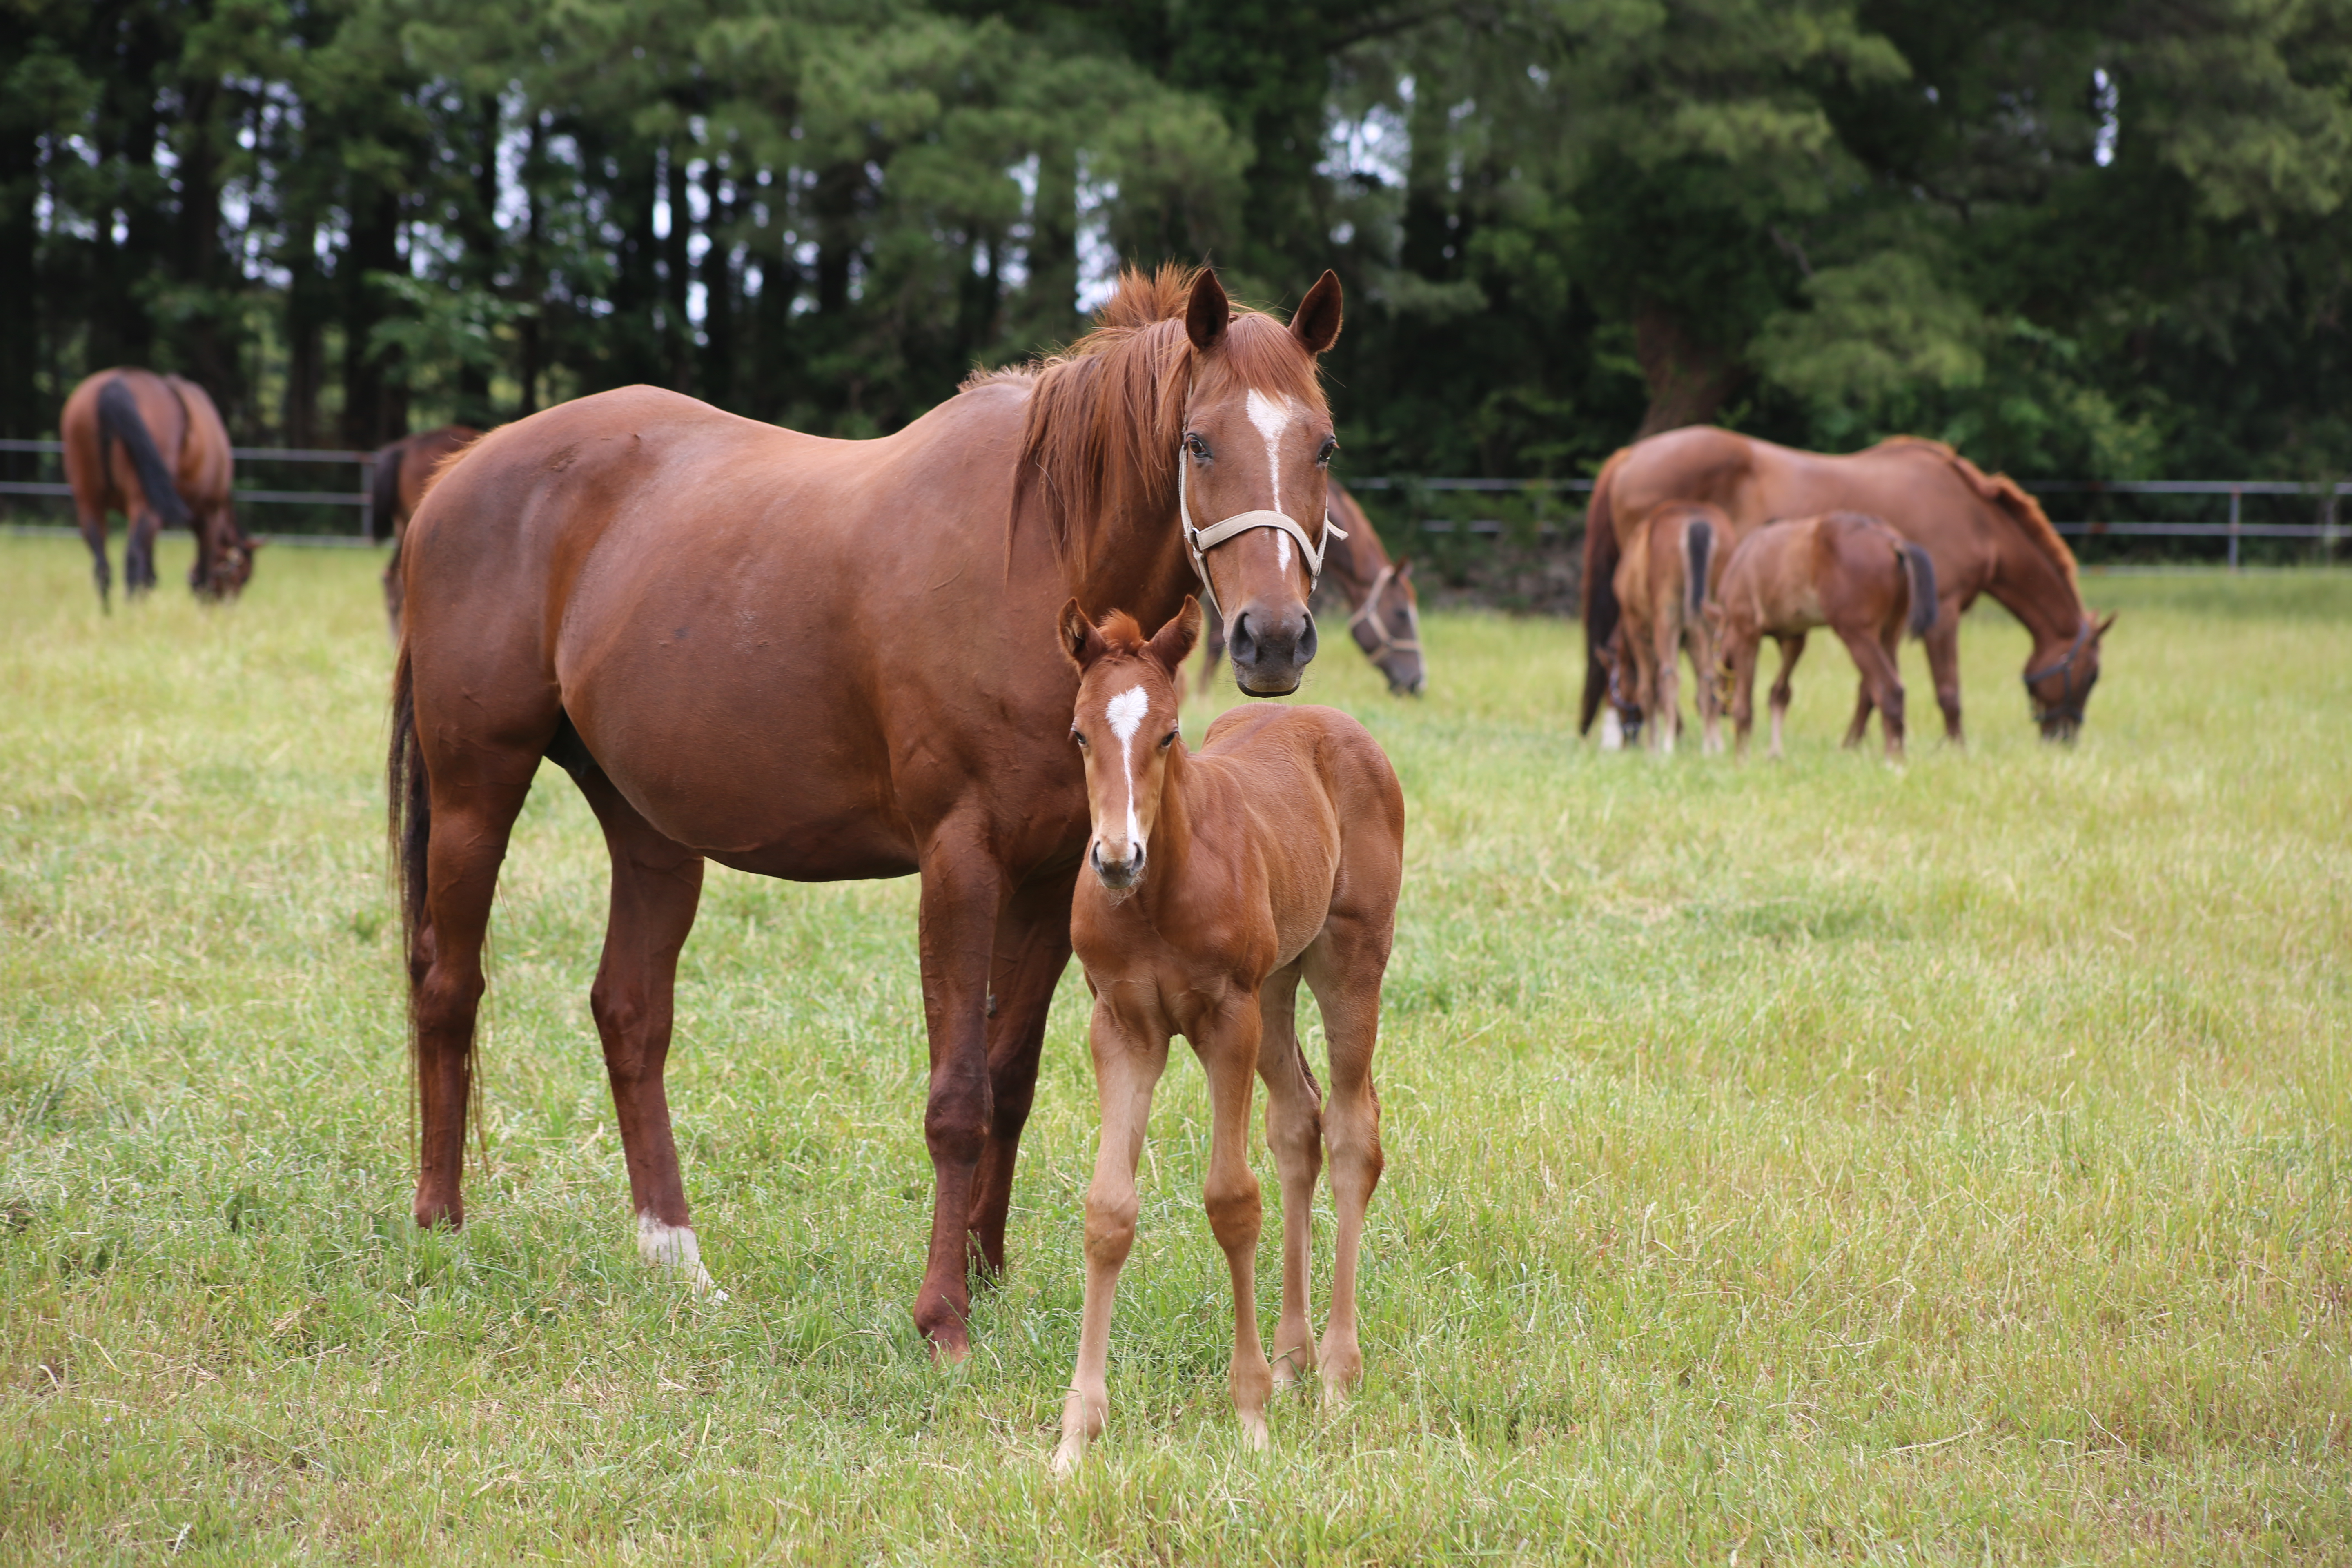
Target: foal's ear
{"type": "Point", "coordinates": [1081, 644]}
{"type": "Point", "coordinates": [2101, 630]}
{"type": "Point", "coordinates": [1172, 642]}
{"type": "Point", "coordinates": [1316, 322]}
{"type": "Point", "coordinates": [1207, 312]}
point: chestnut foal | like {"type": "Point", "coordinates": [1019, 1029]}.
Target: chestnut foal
{"type": "Point", "coordinates": [1844, 570]}
{"type": "Point", "coordinates": [1662, 587]}
{"type": "Point", "coordinates": [1273, 855]}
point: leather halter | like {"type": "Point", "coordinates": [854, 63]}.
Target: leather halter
{"type": "Point", "coordinates": [1369, 612]}
{"type": "Point", "coordinates": [2069, 705]}
{"type": "Point", "coordinates": [1198, 542]}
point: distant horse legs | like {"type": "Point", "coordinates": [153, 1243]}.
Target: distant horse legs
{"type": "Point", "coordinates": [1294, 1131]}
{"type": "Point", "coordinates": [1344, 967]}
{"type": "Point", "coordinates": [93, 533]}
{"type": "Point", "coordinates": [1943, 640]}
{"type": "Point", "coordinates": [1881, 683]}
{"type": "Point", "coordinates": [1792, 648]}
{"type": "Point", "coordinates": [139, 552]}
{"type": "Point", "coordinates": [1031, 949]}
{"type": "Point", "coordinates": [656, 885]}
{"type": "Point", "coordinates": [1662, 678]}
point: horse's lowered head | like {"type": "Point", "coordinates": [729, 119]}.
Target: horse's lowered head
{"type": "Point", "coordinates": [223, 563]}
{"type": "Point", "coordinates": [1251, 472]}
{"type": "Point", "coordinates": [1125, 728]}
{"type": "Point", "coordinates": [1387, 626]}
{"type": "Point", "coordinates": [2059, 685]}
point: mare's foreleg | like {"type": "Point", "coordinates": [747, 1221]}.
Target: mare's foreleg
{"type": "Point", "coordinates": [1228, 1050]}
{"type": "Point", "coordinates": [963, 895]}
{"type": "Point", "coordinates": [1033, 948]}
{"type": "Point", "coordinates": [1128, 1065]}
{"type": "Point", "coordinates": [1294, 1131]}
{"type": "Point", "coordinates": [1943, 640]}
{"type": "Point", "coordinates": [1344, 966]}
{"type": "Point", "coordinates": [1792, 648]}
{"type": "Point", "coordinates": [656, 885]}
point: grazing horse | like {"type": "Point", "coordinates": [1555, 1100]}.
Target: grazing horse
{"type": "Point", "coordinates": [1987, 536]}
{"type": "Point", "coordinates": [1662, 586]}
{"type": "Point", "coordinates": [1843, 570]}
{"type": "Point", "coordinates": [1386, 622]}
{"type": "Point", "coordinates": [817, 659]}
{"type": "Point", "coordinates": [152, 448]}
{"type": "Point", "coordinates": [404, 470]}
{"type": "Point", "coordinates": [1220, 881]}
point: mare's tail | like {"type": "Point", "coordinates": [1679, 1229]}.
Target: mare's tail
{"type": "Point", "coordinates": [410, 824]}
{"type": "Point", "coordinates": [383, 495]}
{"type": "Point", "coordinates": [1698, 542]}
{"type": "Point", "coordinates": [1600, 608]}
{"type": "Point", "coordinates": [1920, 568]}
{"type": "Point", "coordinates": [118, 420]}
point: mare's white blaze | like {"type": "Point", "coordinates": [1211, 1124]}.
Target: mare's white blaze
{"type": "Point", "coordinates": [1126, 713]}
{"type": "Point", "coordinates": [666, 1245]}
{"type": "Point", "coordinates": [1273, 421]}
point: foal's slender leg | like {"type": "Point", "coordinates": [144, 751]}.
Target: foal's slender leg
{"type": "Point", "coordinates": [1344, 965]}
{"type": "Point", "coordinates": [1128, 1065]}
{"type": "Point", "coordinates": [1792, 648]}
{"type": "Point", "coordinates": [1710, 706]}
{"type": "Point", "coordinates": [1033, 948]}
{"type": "Point", "coordinates": [1293, 1131]}
{"type": "Point", "coordinates": [1665, 660]}
{"type": "Point", "coordinates": [1229, 1054]}
{"type": "Point", "coordinates": [1741, 648]}
{"type": "Point", "coordinates": [656, 885]}
{"type": "Point", "coordinates": [1882, 682]}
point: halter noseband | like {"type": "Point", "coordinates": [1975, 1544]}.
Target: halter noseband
{"type": "Point", "coordinates": [1369, 613]}
{"type": "Point", "coordinates": [1201, 541]}
{"type": "Point", "coordinates": [2069, 705]}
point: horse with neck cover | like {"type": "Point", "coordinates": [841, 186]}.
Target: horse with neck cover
{"type": "Point", "coordinates": [1219, 882]}
{"type": "Point", "coordinates": [154, 448]}
{"type": "Point", "coordinates": [1386, 607]}
{"type": "Point", "coordinates": [404, 470]}
{"type": "Point", "coordinates": [1985, 535]}
{"type": "Point", "coordinates": [816, 659]}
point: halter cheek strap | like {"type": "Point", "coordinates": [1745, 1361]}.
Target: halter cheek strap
{"type": "Point", "coordinates": [1201, 541]}
{"type": "Point", "coordinates": [1368, 613]}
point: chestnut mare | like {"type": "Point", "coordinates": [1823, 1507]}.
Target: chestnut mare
{"type": "Point", "coordinates": [1662, 585]}
{"type": "Point", "coordinates": [1843, 570]}
{"type": "Point", "coordinates": [824, 659]}
{"type": "Point", "coordinates": [404, 470]}
{"type": "Point", "coordinates": [1386, 622]}
{"type": "Point", "coordinates": [154, 448]}
{"type": "Point", "coordinates": [1987, 536]}
{"type": "Point", "coordinates": [1220, 881]}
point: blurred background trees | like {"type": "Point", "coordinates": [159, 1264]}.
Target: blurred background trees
{"type": "Point", "coordinates": [2102, 238]}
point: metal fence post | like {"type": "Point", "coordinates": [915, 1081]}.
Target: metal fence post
{"type": "Point", "coordinates": [2234, 493]}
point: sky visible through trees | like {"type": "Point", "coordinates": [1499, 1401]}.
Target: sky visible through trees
{"type": "Point", "coordinates": [2086, 240]}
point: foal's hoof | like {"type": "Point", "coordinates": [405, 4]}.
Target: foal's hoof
{"type": "Point", "coordinates": [1255, 1435]}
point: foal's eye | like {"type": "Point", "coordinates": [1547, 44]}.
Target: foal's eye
{"type": "Point", "coordinates": [1168, 740]}
{"type": "Point", "coordinates": [1081, 740]}
{"type": "Point", "coordinates": [1194, 445]}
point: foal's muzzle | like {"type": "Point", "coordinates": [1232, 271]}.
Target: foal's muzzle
{"type": "Point", "coordinates": [1120, 873]}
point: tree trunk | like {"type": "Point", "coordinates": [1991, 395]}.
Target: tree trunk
{"type": "Point", "coordinates": [1688, 380]}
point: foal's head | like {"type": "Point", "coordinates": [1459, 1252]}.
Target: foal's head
{"type": "Point", "coordinates": [1125, 726]}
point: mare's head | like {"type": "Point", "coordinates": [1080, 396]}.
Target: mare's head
{"type": "Point", "coordinates": [1125, 726]}
{"type": "Point", "coordinates": [2059, 685]}
{"type": "Point", "coordinates": [1387, 626]}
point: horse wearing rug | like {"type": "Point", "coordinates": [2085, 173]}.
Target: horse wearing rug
{"type": "Point", "coordinates": [1219, 882]}
{"type": "Point", "coordinates": [1662, 586]}
{"type": "Point", "coordinates": [1386, 618]}
{"type": "Point", "coordinates": [1986, 535]}
{"type": "Point", "coordinates": [814, 659]}
{"type": "Point", "coordinates": [403, 472]}
{"type": "Point", "coordinates": [1843, 570]}
{"type": "Point", "coordinates": [154, 448]}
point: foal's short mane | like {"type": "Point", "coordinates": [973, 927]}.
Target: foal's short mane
{"type": "Point", "coordinates": [2007, 494]}
{"type": "Point", "coordinates": [1123, 634]}
{"type": "Point", "coordinates": [1106, 413]}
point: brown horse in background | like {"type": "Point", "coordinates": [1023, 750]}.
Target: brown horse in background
{"type": "Point", "coordinates": [1986, 535]}
{"type": "Point", "coordinates": [1386, 619]}
{"type": "Point", "coordinates": [154, 448]}
{"type": "Point", "coordinates": [1662, 587]}
{"type": "Point", "coordinates": [1844, 570]}
{"type": "Point", "coordinates": [816, 659]}
{"type": "Point", "coordinates": [404, 470]}
{"type": "Point", "coordinates": [1219, 882]}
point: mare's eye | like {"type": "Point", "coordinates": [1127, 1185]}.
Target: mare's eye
{"type": "Point", "coordinates": [1330, 446]}
{"type": "Point", "coordinates": [1194, 445]}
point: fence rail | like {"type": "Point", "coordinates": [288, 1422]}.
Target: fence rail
{"type": "Point", "coordinates": [359, 497]}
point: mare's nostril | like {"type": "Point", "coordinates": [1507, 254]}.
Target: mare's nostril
{"type": "Point", "coordinates": [1242, 643]}
{"type": "Point", "coordinates": [1307, 642]}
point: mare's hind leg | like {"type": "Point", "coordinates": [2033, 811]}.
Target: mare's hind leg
{"type": "Point", "coordinates": [1792, 648]}
{"type": "Point", "coordinates": [656, 885]}
{"type": "Point", "coordinates": [139, 553]}
{"type": "Point", "coordinates": [1033, 948]}
{"type": "Point", "coordinates": [92, 524]}
{"type": "Point", "coordinates": [1293, 1131]}
{"type": "Point", "coordinates": [1344, 966]}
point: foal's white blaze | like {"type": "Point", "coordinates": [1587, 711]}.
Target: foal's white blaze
{"type": "Point", "coordinates": [1125, 714]}
{"type": "Point", "coordinates": [666, 1245]}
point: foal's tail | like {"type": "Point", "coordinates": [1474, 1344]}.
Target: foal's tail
{"type": "Point", "coordinates": [119, 419]}
{"type": "Point", "coordinates": [383, 494]}
{"type": "Point", "coordinates": [1698, 542]}
{"type": "Point", "coordinates": [1920, 568]}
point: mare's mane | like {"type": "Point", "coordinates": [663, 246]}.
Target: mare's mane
{"type": "Point", "coordinates": [1099, 440]}
{"type": "Point", "coordinates": [2007, 495]}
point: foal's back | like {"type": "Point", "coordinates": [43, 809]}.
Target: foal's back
{"type": "Point", "coordinates": [1791, 576]}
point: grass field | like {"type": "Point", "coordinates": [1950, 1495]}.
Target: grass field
{"type": "Point", "coordinates": [1811, 1162]}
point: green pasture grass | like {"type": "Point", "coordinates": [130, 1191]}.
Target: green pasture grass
{"type": "Point", "coordinates": [1809, 1161]}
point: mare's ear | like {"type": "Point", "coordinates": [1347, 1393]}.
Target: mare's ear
{"type": "Point", "coordinates": [1316, 322]}
{"type": "Point", "coordinates": [1172, 642]}
{"type": "Point", "coordinates": [2101, 630]}
{"type": "Point", "coordinates": [1207, 312]}
{"type": "Point", "coordinates": [1081, 644]}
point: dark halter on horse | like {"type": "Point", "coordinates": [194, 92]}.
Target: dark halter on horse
{"type": "Point", "coordinates": [1368, 613]}
{"type": "Point", "coordinates": [2069, 705]}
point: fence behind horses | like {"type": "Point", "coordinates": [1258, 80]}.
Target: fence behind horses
{"type": "Point", "coordinates": [1411, 492]}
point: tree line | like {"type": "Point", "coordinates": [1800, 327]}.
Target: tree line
{"type": "Point", "coordinates": [2102, 238]}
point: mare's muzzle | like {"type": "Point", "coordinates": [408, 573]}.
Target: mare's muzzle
{"type": "Point", "coordinates": [1271, 646]}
